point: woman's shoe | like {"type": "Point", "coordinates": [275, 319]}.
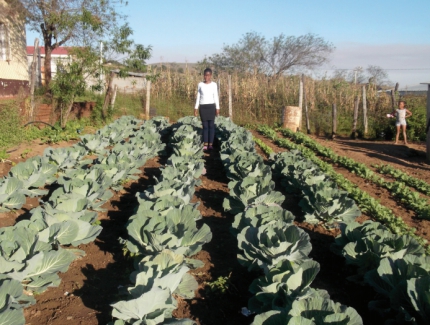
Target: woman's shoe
{"type": "Point", "coordinates": [210, 147]}
{"type": "Point", "coordinates": [205, 148]}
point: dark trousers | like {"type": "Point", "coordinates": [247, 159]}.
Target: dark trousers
{"type": "Point", "coordinates": [208, 131]}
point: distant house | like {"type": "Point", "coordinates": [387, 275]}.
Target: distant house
{"type": "Point", "coordinates": [13, 60]}
{"type": "Point", "coordinates": [60, 53]}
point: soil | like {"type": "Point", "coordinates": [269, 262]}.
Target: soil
{"type": "Point", "coordinates": [91, 284]}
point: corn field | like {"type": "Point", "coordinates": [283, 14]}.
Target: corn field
{"type": "Point", "coordinates": [260, 99]}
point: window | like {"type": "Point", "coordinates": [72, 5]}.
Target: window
{"type": "Point", "coordinates": [3, 42]}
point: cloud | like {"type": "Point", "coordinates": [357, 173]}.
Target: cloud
{"type": "Point", "coordinates": [392, 57]}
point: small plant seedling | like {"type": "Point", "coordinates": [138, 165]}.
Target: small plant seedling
{"type": "Point", "coordinates": [25, 153]}
{"type": "Point", "coordinates": [3, 156]}
{"type": "Point", "coordinates": [219, 286]}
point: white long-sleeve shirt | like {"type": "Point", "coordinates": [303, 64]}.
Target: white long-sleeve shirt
{"type": "Point", "coordinates": [207, 94]}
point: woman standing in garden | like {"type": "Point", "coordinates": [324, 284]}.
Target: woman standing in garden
{"type": "Point", "coordinates": [401, 114]}
{"type": "Point", "coordinates": [208, 104]}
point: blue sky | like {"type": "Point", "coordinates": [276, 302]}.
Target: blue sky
{"type": "Point", "coordinates": [393, 34]}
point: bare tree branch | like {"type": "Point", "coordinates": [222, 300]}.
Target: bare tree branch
{"type": "Point", "coordinates": [253, 53]}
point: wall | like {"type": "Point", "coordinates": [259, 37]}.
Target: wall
{"type": "Point", "coordinates": [14, 69]}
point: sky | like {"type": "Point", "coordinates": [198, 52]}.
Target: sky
{"type": "Point", "coordinates": [392, 34]}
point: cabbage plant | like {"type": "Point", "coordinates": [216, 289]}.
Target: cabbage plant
{"type": "Point", "coordinates": [150, 233]}
{"type": "Point", "coordinates": [405, 285]}
{"type": "Point", "coordinates": [11, 194]}
{"type": "Point", "coordinates": [66, 158]}
{"type": "Point", "coordinates": [283, 284]}
{"type": "Point", "coordinates": [266, 246]}
{"type": "Point", "coordinates": [248, 164]}
{"type": "Point", "coordinates": [65, 228]}
{"type": "Point", "coordinates": [13, 301]}
{"type": "Point", "coordinates": [317, 310]}
{"type": "Point", "coordinates": [325, 203]}
{"type": "Point", "coordinates": [165, 270]}
{"type": "Point", "coordinates": [183, 189]}
{"type": "Point", "coordinates": [260, 215]}
{"type": "Point", "coordinates": [251, 191]}
{"type": "Point", "coordinates": [166, 203]}
{"type": "Point", "coordinates": [24, 257]}
{"type": "Point", "coordinates": [365, 245]}
{"type": "Point", "coordinates": [94, 143]}
{"type": "Point", "coordinates": [35, 172]}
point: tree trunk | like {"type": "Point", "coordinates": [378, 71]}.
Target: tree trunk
{"type": "Point", "coordinates": [47, 65]}
{"type": "Point", "coordinates": [33, 78]}
{"type": "Point", "coordinates": [65, 116]}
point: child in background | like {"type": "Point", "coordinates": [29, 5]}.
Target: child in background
{"type": "Point", "coordinates": [401, 114]}
{"type": "Point", "coordinates": [208, 104]}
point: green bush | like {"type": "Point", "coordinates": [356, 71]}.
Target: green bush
{"type": "Point", "coordinates": [10, 124]}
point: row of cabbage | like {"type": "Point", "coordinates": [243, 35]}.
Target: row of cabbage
{"type": "Point", "coordinates": [396, 266]}
{"type": "Point", "coordinates": [163, 236]}
{"type": "Point", "coordinates": [322, 201]}
{"type": "Point", "coordinates": [270, 243]}
{"type": "Point", "coordinates": [31, 251]}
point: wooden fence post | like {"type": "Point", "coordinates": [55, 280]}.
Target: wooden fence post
{"type": "Point", "coordinates": [364, 109]}
{"type": "Point", "coordinates": [393, 96]}
{"type": "Point", "coordinates": [33, 78]}
{"type": "Point", "coordinates": [301, 100]}
{"type": "Point", "coordinates": [354, 125]}
{"type": "Point", "coordinates": [148, 98]}
{"type": "Point", "coordinates": [334, 121]}
{"type": "Point", "coordinates": [108, 95]}
{"type": "Point", "coordinates": [112, 102]}
{"type": "Point", "coordinates": [305, 102]}
{"type": "Point", "coordinates": [230, 99]}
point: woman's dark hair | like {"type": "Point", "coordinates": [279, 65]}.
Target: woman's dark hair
{"type": "Point", "coordinates": [207, 70]}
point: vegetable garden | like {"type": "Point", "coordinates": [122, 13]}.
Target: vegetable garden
{"type": "Point", "coordinates": [205, 238]}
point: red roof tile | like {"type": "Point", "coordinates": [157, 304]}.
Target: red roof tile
{"type": "Point", "coordinates": [58, 51]}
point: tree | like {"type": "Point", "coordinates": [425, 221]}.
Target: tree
{"type": "Point", "coordinates": [71, 22]}
{"type": "Point", "coordinates": [372, 74]}
{"type": "Point", "coordinates": [254, 53]}
{"type": "Point", "coordinates": [84, 64]}
{"type": "Point", "coordinates": [377, 75]}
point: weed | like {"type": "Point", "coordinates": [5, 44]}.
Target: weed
{"type": "Point", "coordinates": [25, 153]}
{"type": "Point", "coordinates": [219, 286]}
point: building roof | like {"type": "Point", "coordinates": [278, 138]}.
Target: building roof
{"type": "Point", "coordinates": [58, 51]}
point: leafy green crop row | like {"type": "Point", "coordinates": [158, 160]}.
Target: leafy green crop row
{"type": "Point", "coordinates": [31, 251]}
{"type": "Point", "coordinates": [163, 235]}
{"type": "Point", "coordinates": [367, 203]}
{"type": "Point", "coordinates": [397, 188]}
{"type": "Point", "coordinates": [395, 265]}
{"type": "Point", "coordinates": [266, 149]}
{"type": "Point", "coordinates": [416, 183]}
{"type": "Point", "coordinates": [269, 241]}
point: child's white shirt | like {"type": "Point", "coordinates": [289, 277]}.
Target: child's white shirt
{"type": "Point", "coordinates": [207, 94]}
